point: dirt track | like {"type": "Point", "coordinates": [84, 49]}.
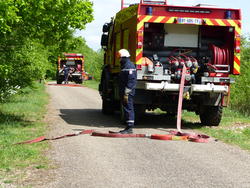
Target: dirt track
{"type": "Point", "coordinates": [86, 161]}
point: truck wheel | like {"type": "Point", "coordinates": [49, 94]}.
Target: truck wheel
{"type": "Point", "coordinates": [79, 81]}
{"type": "Point", "coordinates": [107, 99]}
{"type": "Point", "coordinates": [211, 115]}
{"type": "Point", "coordinates": [107, 107]}
{"type": "Point", "coordinates": [59, 81]}
{"type": "Point", "coordinates": [139, 111]}
{"type": "Point", "coordinates": [171, 114]}
{"type": "Point", "coordinates": [122, 114]}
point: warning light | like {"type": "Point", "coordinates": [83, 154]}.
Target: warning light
{"type": "Point", "coordinates": [139, 39]}
{"type": "Point", "coordinates": [228, 14]}
{"type": "Point", "coordinates": [149, 11]}
{"type": "Point", "coordinates": [237, 44]}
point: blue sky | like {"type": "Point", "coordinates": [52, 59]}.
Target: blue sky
{"type": "Point", "coordinates": [105, 9]}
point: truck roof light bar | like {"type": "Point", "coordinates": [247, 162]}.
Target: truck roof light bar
{"type": "Point", "coordinates": [72, 54]}
{"type": "Point", "coordinates": [124, 3]}
{"type": "Point", "coordinates": [205, 5]}
{"type": "Point", "coordinates": [189, 10]}
{"type": "Point", "coordinates": [154, 2]}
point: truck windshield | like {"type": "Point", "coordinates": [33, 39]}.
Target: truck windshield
{"type": "Point", "coordinates": [70, 62]}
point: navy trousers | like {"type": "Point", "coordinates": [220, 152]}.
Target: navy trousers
{"type": "Point", "coordinates": [129, 112]}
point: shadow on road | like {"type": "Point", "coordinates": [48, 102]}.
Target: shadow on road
{"type": "Point", "coordinates": [95, 118]}
{"type": "Point", "coordinates": [89, 117]}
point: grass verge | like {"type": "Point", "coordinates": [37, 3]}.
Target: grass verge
{"type": "Point", "coordinates": [91, 84]}
{"type": "Point", "coordinates": [234, 128]}
{"type": "Point", "coordinates": [21, 119]}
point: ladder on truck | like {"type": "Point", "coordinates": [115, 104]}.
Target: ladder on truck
{"type": "Point", "coordinates": [125, 4]}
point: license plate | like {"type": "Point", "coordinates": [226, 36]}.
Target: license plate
{"type": "Point", "coordinates": [226, 80]}
{"type": "Point", "coordinates": [190, 21]}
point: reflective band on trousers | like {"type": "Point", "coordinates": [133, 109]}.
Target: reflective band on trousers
{"type": "Point", "coordinates": [128, 69]}
{"type": "Point", "coordinates": [130, 121]}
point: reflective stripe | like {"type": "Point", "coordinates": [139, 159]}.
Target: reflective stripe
{"type": "Point", "coordinates": [128, 69]}
{"type": "Point", "coordinates": [139, 56]}
{"type": "Point", "coordinates": [237, 64]}
{"type": "Point", "coordinates": [130, 121]}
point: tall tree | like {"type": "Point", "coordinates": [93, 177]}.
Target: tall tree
{"type": "Point", "coordinates": [32, 33]}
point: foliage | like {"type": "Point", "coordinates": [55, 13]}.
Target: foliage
{"type": "Point", "coordinates": [93, 59]}
{"type": "Point", "coordinates": [240, 94]}
{"type": "Point", "coordinates": [8, 15]}
{"type": "Point", "coordinates": [33, 34]}
{"type": "Point", "coordinates": [51, 19]}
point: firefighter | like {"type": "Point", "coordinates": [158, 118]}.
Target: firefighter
{"type": "Point", "coordinates": [128, 78]}
{"type": "Point", "coordinates": [66, 74]}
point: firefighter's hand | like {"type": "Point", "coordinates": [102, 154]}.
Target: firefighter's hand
{"type": "Point", "coordinates": [125, 99]}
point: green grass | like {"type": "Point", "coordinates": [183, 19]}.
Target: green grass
{"type": "Point", "coordinates": [21, 119]}
{"type": "Point", "coordinates": [236, 137]}
{"type": "Point", "coordinates": [233, 129]}
{"type": "Point", "coordinates": [91, 84]}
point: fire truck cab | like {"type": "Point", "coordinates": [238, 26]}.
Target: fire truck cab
{"type": "Point", "coordinates": [75, 63]}
{"type": "Point", "coordinates": [161, 39]}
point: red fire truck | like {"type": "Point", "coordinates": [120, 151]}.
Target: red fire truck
{"type": "Point", "coordinates": [161, 39]}
{"type": "Point", "coordinates": [75, 62]}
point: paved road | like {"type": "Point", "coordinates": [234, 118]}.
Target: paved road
{"type": "Point", "coordinates": [86, 161]}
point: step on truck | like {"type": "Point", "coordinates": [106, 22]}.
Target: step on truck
{"type": "Point", "coordinates": [161, 39]}
{"type": "Point", "coordinates": [75, 63]}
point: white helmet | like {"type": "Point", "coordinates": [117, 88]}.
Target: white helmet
{"type": "Point", "coordinates": [123, 53]}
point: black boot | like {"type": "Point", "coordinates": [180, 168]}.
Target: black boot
{"type": "Point", "coordinates": [127, 130]}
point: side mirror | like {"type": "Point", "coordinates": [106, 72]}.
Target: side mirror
{"type": "Point", "coordinates": [105, 28]}
{"type": "Point", "coordinates": [104, 41]}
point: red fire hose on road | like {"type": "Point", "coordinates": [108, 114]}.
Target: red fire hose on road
{"type": "Point", "coordinates": [43, 138]}
{"type": "Point", "coordinates": [173, 135]}
{"type": "Point", "coordinates": [67, 85]}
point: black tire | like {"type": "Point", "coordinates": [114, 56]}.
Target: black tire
{"type": "Point", "coordinates": [211, 115]}
{"type": "Point", "coordinates": [171, 114]}
{"type": "Point", "coordinates": [79, 81]}
{"type": "Point", "coordinates": [139, 112]}
{"type": "Point", "coordinates": [122, 114]}
{"type": "Point", "coordinates": [107, 107]}
{"type": "Point", "coordinates": [107, 99]}
{"type": "Point", "coordinates": [59, 81]}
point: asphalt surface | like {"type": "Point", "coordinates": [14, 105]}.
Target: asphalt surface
{"type": "Point", "coordinates": [86, 161]}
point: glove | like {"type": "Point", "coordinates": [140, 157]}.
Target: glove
{"type": "Point", "coordinates": [127, 91]}
{"type": "Point", "coordinates": [186, 95]}
{"type": "Point", "coordinates": [125, 99]}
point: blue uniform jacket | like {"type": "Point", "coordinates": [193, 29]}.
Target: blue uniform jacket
{"type": "Point", "coordinates": [66, 71]}
{"type": "Point", "coordinates": [128, 77]}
